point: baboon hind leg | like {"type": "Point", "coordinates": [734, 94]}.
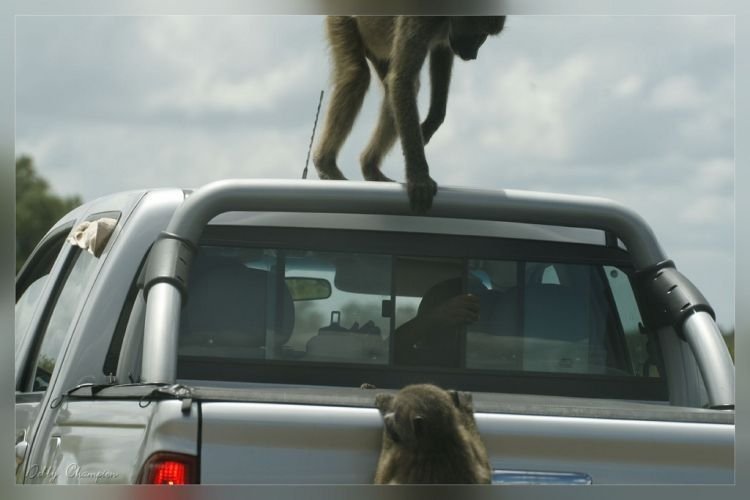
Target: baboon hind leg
{"type": "Point", "coordinates": [351, 77]}
{"type": "Point", "coordinates": [381, 142]}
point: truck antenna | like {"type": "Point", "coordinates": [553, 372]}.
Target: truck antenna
{"type": "Point", "coordinates": [304, 172]}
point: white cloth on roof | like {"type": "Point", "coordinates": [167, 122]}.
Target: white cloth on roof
{"type": "Point", "coordinates": [93, 235]}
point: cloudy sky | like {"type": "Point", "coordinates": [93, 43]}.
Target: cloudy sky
{"type": "Point", "coordinates": [639, 109]}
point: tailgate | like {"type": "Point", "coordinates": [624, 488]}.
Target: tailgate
{"type": "Point", "coordinates": [250, 443]}
{"type": "Point", "coordinates": [246, 443]}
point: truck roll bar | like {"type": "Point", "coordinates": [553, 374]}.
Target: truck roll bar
{"type": "Point", "coordinates": [190, 218]}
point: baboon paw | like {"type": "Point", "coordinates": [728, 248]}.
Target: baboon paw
{"type": "Point", "coordinates": [421, 192]}
{"type": "Point", "coordinates": [376, 175]}
{"type": "Point", "coordinates": [331, 173]}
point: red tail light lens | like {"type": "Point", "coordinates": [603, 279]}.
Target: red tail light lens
{"type": "Point", "coordinates": [169, 468]}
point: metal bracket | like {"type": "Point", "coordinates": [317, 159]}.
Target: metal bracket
{"type": "Point", "coordinates": [169, 262]}
{"type": "Point", "coordinates": [668, 298]}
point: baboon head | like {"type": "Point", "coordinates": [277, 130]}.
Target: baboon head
{"type": "Point", "coordinates": [468, 33]}
{"type": "Point", "coordinates": [423, 416]}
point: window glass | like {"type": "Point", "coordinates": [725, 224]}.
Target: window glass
{"type": "Point", "coordinates": [288, 305]}
{"type": "Point", "coordinates": [545, 317]}
{"type": "Point", "coordinates": [30, 283]}
{"type": "Point", "coordinates": [430, 322]}
{"type": "Point", "coordinates": [271, 306]}
{"type": "Point", "coordinates": [640, 346]}
{"type": "Point", "coordinates": [25, 307]}
{"type": "Point", "coordinates": [70, 296]}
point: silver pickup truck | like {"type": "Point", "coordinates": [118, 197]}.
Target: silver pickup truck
{"type": "Point", "coordinates": [222, 335]}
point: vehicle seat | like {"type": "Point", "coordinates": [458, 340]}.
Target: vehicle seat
{"type": "Point", "coordinates": [227, 310]}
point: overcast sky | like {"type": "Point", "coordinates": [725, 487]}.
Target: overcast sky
{"type": "Point", "coordinates": [638, 109]}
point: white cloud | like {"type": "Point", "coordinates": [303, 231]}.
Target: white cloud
{"type": "Point", "coordinates": [714, 175]}
{"type": "Point", "coordinates": [225, 63]}
{"type": "Point", "coordinates": [128, 157]}
{"type": "Point", "coordinates": [706, 127]}
{"type": "Point", "coordinates": [678, 92]}
{"type": "Point", "coordinates": [629, 86]}
{"type": "Point", "coordinates": [524, 111]}
{"type": "Point", "coordinates": [210, 93]}
{"type": "Point", "coordinates": [707, 209]}
{"type": "Point", "coordinates": [710, 30]}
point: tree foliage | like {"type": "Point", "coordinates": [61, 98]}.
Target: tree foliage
{"type": "Point", "coordinates": [729, 339]}
{"type": "Point", "coordinates": [37, 208]}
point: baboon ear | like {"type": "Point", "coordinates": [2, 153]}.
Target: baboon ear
{"type": "Point", "coordinates": [418, 423]}
{"type": "Point", "coordinates": [462, 400]}
{"type": "Point", "coordinates": [383, 402]}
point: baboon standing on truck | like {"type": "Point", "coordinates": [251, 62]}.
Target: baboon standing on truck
{"type": "Point", "coordinates": [397, 47]}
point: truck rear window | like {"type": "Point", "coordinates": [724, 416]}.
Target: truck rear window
{"type": "Point", "coordinates": [312, 316]}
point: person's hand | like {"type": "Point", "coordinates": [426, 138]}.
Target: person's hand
{"type": "Point", "coordinates": [460, 310]}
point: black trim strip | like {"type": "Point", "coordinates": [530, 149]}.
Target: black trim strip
{"type": "Point", "coordinates": [413, 244]}
{"type": "Point", "coordinates": [390, 376]}
{"type": "Point", "coordinates": [501, 402]}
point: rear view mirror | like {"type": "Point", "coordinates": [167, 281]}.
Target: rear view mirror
{"type": "Point", "coordinates": [308, 288]}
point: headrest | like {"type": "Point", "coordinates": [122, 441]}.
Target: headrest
{"type": "Point", "coordinates": [228, 302]}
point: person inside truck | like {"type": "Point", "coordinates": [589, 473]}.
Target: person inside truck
{"type": "Point", "coordinates": [433, 336]}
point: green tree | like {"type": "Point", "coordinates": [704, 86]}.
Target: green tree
{"type": "Point", "coordinates": [37, 208]}
{"type": "Point", "coordinates": [729, 339]}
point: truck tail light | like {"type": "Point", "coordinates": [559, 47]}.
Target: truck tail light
{"type": "Point", "coordinates": [169, 468]}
